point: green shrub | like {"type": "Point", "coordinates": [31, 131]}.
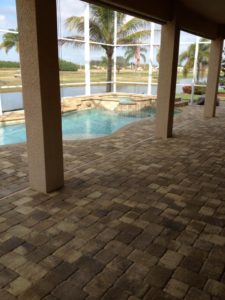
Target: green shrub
{"type": "Point", "coordinates": [9, 64]}
{"type": "Point", "coordinates": [222, 81]}
{"type": "Point", "coordinates": [67, 65]}
{"type": "Point", "coordinates": [200, 90]}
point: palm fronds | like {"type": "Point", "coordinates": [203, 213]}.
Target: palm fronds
{"type": "Point", "coordinates": [10, 40]}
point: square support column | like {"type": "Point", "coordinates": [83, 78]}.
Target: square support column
{"type": "Point", "coordinates": [170, 35]}
{"type": "Point", "coordinates": [37, 25]}
{"type": "Point", "coordinates": [213, 77]}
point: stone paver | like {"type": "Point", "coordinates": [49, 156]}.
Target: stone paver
{"type": "Point", "coordinates": [138, 218]}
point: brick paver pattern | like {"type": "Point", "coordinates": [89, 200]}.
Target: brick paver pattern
{"type": "Point", "coordinates": [138, 218]}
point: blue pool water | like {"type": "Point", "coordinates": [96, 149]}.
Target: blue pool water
{"type": "Point", "coordinates": [79, 125]}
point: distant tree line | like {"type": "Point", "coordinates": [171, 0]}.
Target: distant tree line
{"type": "Point", "coordinates": [9, 64]}
{"type": "Point", "coordinates": [63, 65]}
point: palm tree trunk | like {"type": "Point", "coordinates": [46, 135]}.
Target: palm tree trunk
{"type": "Point", "coordinates": [109, 70]}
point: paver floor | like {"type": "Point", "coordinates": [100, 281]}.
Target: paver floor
{"type": "Point", "coordinates": [138, 218]}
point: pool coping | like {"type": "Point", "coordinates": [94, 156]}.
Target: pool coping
{"type": "Point", "coordinates": [74, 103]}
{"type": "Point", "coordinates": [18, 116]}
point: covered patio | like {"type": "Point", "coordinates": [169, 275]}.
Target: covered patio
{"type": "Point", "coordinates": [138, 218]}
{"type": "Point", "coordinates": [40, 76]}
{"type": "Point", "coordinates": [135, 215]}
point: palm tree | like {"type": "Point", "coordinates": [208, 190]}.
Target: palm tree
{"type": "Point", "coordinates": [102, 30]}
{"type": "Point", "coordinates": [10, 40]}
{"type": "Point", "coordinates": [134, 52]}
{"type": "Point", "coordinates": [188, 57]}
{"type": "Point", "coordinates": [222, 71]}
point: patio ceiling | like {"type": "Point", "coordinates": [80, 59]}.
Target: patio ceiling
{"type": "Point", "coordinates": [202, 17]}
{"type": "Point", "coordinates": [213, 10]}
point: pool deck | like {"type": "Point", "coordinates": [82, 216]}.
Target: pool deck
{"type": "Point", "coordinates": [138, 218]}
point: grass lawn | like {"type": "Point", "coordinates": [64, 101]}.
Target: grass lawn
{"type": "Point", "coordinates": [187, 97]}
{"type": "Point", "coordinates": [11, 77]}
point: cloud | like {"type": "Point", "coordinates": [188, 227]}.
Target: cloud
{"type": "Point", "coordinates": [7, 8]}
{"type": "Point", "coordinates": [2, 19]}
{"type": "Point", "coordinates": [7, 14]}
{"type": "Point", "coordinates": [70, 8]}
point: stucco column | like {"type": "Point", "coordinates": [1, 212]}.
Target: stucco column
{"type": "Point", "coordinates": [167, 79]}
{"type": "Point", "coordinates": [41, 93]}
{"type": "Point", "coordinates": [213, 77]}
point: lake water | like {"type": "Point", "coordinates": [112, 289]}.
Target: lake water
{"type": "Point", "coordinates": [14, 101]}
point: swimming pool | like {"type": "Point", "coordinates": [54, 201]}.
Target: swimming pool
{"type": "Point", "coordinates": [80, 125]}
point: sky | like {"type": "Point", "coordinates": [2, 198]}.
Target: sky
{"type": "Point", "coordinates": [8, 21]}
{"type": "Point", "coordinates": [65, 8]}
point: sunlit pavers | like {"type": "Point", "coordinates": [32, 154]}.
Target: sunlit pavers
{"type": "Point", "coordinates": [138, 218]}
